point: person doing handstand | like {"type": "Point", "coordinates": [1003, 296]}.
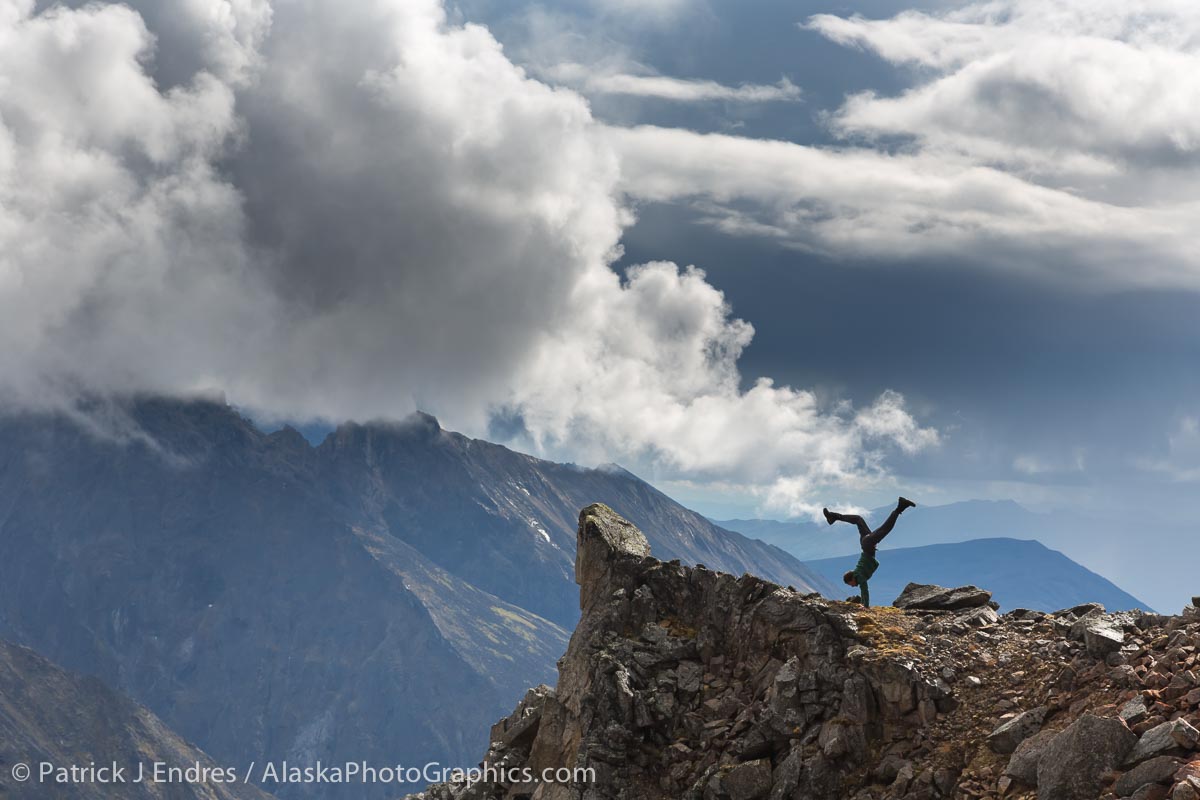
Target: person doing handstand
{"type": "Point", "coordinates": [868, 539]}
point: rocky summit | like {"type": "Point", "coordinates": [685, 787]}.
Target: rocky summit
{"type": "Point", "coordinates": [684, 682]}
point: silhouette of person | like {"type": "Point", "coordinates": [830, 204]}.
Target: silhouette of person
{"type": "Point", "coordinates": [867, 539]}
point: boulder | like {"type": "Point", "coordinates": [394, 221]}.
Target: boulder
{"type": "Point", "coordinates": [1072, 765]}
{"type": "Point", "coordinates": [928, 597]}
{"type": "Point", "coordinates": [1081, 610]}
{"type": "Point", "coordinates": [888, 768]}
{"type": "Point", "coordinates": [1080, 625]}
{"type": "Point", "coordinates": [978, 617]}
{"type": "Point", "coordinates": [1008, 735]}
{"type": "Point", "coordinates": [786, 776]}
{"type": "Point", "coordinates": [1135, 711]}
{"type": "Point", "coordinates": [1157, 770]}
{"type": "Point", "coordinates": [1174, 737]}
{"type": "Point", "coordinates": [1185, 791]}
{"type": "Point", "coordinates": [1024, 762]}
{"type": "Point", "coordinates": [750, 780]}
{"type": "Point", "coordinates": [1102, 639]}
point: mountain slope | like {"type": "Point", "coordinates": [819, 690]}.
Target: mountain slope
{"type": "Point", "coordinates": [208, 577]}
{"type": "Point", "coordinates": [504, 521]}
{"type": "Point", "coordinates": [378, 597]}
{"type": "Point", "coordinates": [50, 715]}
{"type": "Point", "coordinates": [1020, 574]}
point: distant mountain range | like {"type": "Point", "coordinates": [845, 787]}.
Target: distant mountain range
{"type": "Point", "coordinates": [1020, 574]}
{"type": "Point", "coordinates": [380, 597]}
{"type": "Point", "coordinates": [951, 523]}
{"type": "Point", "coordinates": [955, 522]}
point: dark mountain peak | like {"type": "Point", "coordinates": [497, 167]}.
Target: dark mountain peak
{"type": "Point", "coordinates": [375, 438]}
{"type": "Point", "coordinates": [289, 438]}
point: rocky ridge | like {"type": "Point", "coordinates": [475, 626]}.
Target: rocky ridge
{"type": "Point", "coordinates": [684, 682]}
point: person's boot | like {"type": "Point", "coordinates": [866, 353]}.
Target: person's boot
{"type": "Point", "coordinates": [906, 503]}
{"type": "Point", "coordinates": [828, 516]}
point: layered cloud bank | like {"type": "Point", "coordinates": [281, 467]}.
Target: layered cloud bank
{"type": "Point", "coordinates": [1057, 139]}
{"type": "Point", "coordinates": [354, 211]}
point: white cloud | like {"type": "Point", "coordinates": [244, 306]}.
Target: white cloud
{"type": "Point", "coordinates": [591, 80]}
{"type": "Point", "coordinates": [352, 211]}
{"type": "Point", "coordinates": [867, 203]}
{"type": "Point", "coordinates": [1085, 90]}
{"type": "Point", "coordinates": [1058, 139]}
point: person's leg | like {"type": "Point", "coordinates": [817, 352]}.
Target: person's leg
{"type": "Point", "coordinates": [854, 519]}
{"type": "Point", "coordinates": [876, 536]}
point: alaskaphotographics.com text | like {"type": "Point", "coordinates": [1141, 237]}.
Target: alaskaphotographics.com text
{"type": "Point", "coordinates": [280, 773]}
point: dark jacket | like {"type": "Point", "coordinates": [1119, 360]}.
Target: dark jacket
{"type": "Point", "coordinates": [862, 573]}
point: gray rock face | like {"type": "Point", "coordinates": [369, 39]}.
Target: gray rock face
{"type": "Point", "coordinates": [938, 598]}
{"type": "Point", "coordinates": [1174, 737]}
{"type": "Point", "coordinates": [1004, 739]}
{"type": "Point", "coordinates": [1072, 765]}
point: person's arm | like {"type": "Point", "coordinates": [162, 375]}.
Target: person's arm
{"type": "Point", "coordinates": [864, 592]}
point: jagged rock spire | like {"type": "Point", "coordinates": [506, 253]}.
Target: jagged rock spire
{"type": "Point", "coordinates": [604, 537]}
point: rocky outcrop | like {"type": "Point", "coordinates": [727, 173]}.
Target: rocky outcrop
{"type": "Point", "coordinates": [683, 682]}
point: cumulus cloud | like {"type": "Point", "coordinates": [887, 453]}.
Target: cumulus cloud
{"type": "Point", "coordinates": [354, 211]}
{"type": "Point", "coordinates": [590, 81]}
{"type": "Point", "coordinates": [1077, 89]}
